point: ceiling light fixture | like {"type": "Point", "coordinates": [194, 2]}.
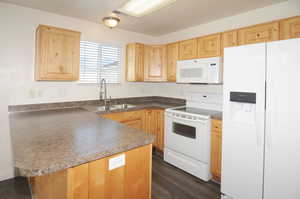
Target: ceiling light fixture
{"type": "Point", "coordinates": [111, 21]}
{"type": "Point", "coordinates": [139, 8]}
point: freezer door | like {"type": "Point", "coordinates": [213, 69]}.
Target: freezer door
{"type": "Point", "coordinates": [243, 121]}
{"type": "Point", "coordinates": [282, 162]}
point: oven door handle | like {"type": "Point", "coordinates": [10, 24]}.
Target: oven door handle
{"type": "Point", "coordinates": [186, 119]}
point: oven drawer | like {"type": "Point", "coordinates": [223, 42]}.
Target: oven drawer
{"type": "Point", "coordinates": [190, 165]}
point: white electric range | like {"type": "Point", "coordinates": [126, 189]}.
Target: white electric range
{"type": "Point", "coordinates": [187, 133]}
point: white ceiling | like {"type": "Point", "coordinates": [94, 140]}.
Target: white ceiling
{"type": "Point", "coordinates": [182, 14]}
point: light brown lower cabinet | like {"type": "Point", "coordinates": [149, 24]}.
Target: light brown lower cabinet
{"type": "Point", "coordinates": [154, 124]}
{"type": "Point", "coordinates": [137, 124]}
{"type": "Point", "coordinates": [216, 149]}
{"type": "Point", "coordinates": [134, 119]}
{"type": "Point", "coordinates": [148, 120]}
{"type": "Point", "coordinates": [94, 180]}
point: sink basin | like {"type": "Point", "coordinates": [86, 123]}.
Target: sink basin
{"type": "Point", "coordinates": [116, 107]}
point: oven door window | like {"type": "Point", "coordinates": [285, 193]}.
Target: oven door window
{"type": "Point", "coordinates": [184, 130]}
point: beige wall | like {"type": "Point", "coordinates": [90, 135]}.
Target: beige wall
{"type": "Point", "coordinates": [6, 168]}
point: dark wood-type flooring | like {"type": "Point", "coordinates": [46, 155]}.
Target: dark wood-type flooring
{"type": "Point", "coordinates": [168, 183]}
{"type": "Point", "coordinates": [16, 188]}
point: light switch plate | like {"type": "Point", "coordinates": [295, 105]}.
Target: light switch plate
{"type": "Point", "coordinates": [116, 162]}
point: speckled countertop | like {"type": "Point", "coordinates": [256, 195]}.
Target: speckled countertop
{"type": "Point", "coordinates": [51, 137]}
{"type": "Point", "coordinates": [53, 140]}
{"type": "Point", "coordinates": [138, 106]}
{"type": "Point", "coordinates": [46, 141]}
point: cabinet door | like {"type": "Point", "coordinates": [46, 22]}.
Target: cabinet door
{"type": "Point", "coordinates": [154, 124]}
{"type": "Point", "coordinates": [151, 124]}
{"type": "Point", "coordinates": [57, 54]}
{"type": "Point", "coordinates": [209, 46]}
{"type": "Point", "coordinates": [155, 63]}
{"type": "Point", "coordinates": [160, 129]}
{"type": "Point", "coordinates": [216, 153]}
{"type": "Point", "coordinates": [118, 117]}
{"type": "Point", "coordinates": [188, 49]}
{"type": "Point", "coordinates": [131, 181]}
{"type": "Point", "coordinates": [135, 62]}
{"type": "Point", "coordinates": [71, 183]}
{"type": "Point", "coordinates": [290, 28]}
{"type": "Point", "coordinates": [216, 149]}
{"type": "Point", "coordinates": [172, 56]}
{"type": "Point", "coordinates": [228, 39]}
{"type": "Point", "coordinates": [259, 33]}
{"type": "Point", "coordinates": [79, 177]}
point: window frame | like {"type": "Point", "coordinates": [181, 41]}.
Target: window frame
{"type": "Point", "coordinates": [121, 48]}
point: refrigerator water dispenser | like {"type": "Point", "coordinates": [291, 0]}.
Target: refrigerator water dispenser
{"type": "Point", "coordinates": [243, 108]}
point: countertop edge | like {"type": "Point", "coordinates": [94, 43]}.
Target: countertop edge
{"type": "Point", "coordinates": [25, 172]}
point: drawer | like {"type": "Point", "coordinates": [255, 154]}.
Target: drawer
{"type": "Point", "coordinates": [124, 116]}
{"type": "Point", "coordinates": [114, 116]}
{"type": "Point", "coordinates": [132, 115]}
{"type": "Point", "coordinates": [136, 124]}
{"type": "Point", "coordinates": [217, 125]}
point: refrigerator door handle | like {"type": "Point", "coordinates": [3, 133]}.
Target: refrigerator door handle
{"type": "Point", "coordinates": [260, 127]}
{"type": "Point", "coordinates": [259, 138]}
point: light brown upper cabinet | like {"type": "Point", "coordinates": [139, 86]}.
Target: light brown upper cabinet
{"type": "Point", "coordinates": [259, 33]}
{"type": "Point", "coordinates": [158, 63]}
{"type": "Point", "coordinates": [209, 46]}
{"type": "Point", "coordinates": [155, 63]}
{"type": "Point", "coordinates": [188, 49]}
{"type": "Point", "coordinates": [290, 28]}
{"type": "Point", "coordinates": [172, 57]}
{"type": "Point", "coordinates": [135, 62]}
{"type": "Point", "coordinates": [228, 39]}
{"type": "Point", "coordinates": [57, 54]}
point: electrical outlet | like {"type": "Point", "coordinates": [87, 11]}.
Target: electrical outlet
{"type": "Point", "coordinates": [116, 162]}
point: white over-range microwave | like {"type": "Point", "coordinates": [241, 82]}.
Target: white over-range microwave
{"type": "Point", "coordinates": [204, 71]}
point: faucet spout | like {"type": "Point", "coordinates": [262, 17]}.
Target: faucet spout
{"type": "Point", "coordinates": [103, 84]}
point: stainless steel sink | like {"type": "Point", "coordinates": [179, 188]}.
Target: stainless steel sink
{"type": "Point", "coordinates": [115, 107]}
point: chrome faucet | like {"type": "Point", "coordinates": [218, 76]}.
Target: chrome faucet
{"type": "Point", "coordinates": [106, 101]}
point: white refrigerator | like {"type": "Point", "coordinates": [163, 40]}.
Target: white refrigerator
{"type": "Point", "coordinates": [261, 121]}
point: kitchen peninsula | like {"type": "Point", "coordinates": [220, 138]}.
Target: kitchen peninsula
{"type": "Point", "coordinates": [72, 153]}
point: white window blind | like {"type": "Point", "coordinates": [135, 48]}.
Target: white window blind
{"type": "Point", "coordinates": [98, 61]}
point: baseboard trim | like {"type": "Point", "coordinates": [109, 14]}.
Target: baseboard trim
{"type": "Point", "coordinates": [6, 174]}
